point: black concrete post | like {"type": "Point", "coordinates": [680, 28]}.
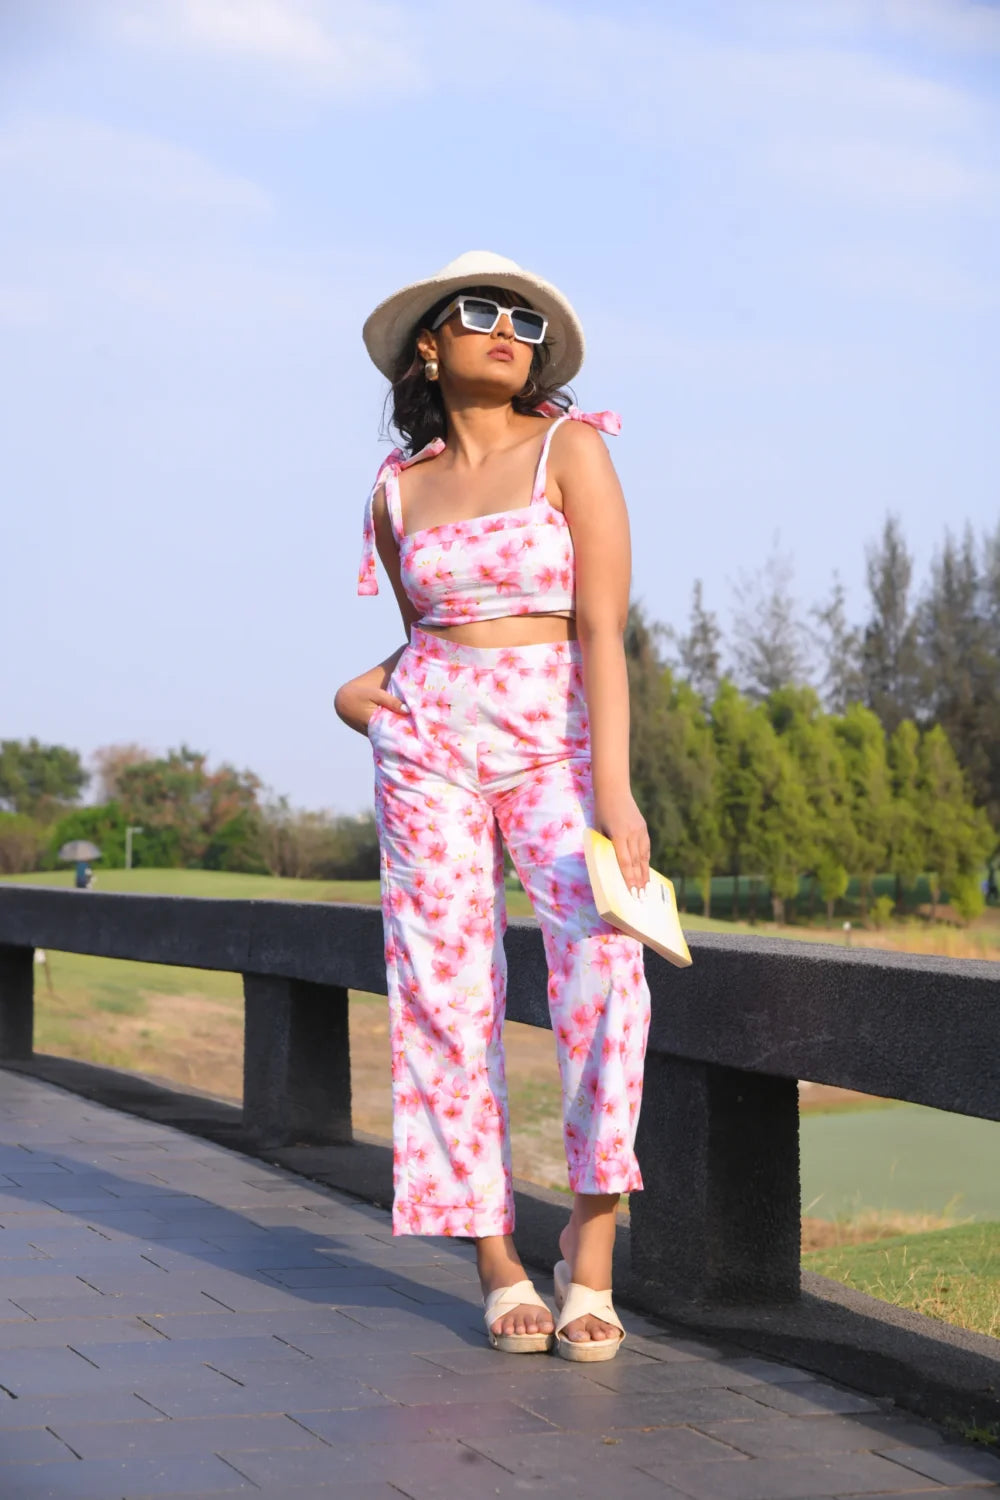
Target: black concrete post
{"type": "Point", "coordinates": [296, 1062]}
{"type": "Point", "coordinates": [718, 1220]}
{"type": "Point", "coordinates": [17, 1002]}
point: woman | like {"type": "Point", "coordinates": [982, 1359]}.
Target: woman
{"type": "Point", "coordinates": [503, 531]}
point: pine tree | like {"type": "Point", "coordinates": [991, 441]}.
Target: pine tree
{"type": "Point", "coordinates": [696, 772]}
{"type": "Point", "coordinates": [652, 733]}
{"type": "Point", "coordinates": [698, 654]}
{"type": "Point", "coordinates": [907, 850]}
{"type": "Point", "coordinates": [785, 846]}
{"type": "Point", "coordinates": [889, 653]}
{"type": "Point", "coordinates": [957, 834]}
{"type": "Point", "coordinates": [739, 791]}
{"type": "Point", "coordinates": [990, 610]}
{"type": "Point", "coordinates": [812, 741]}
{"type": "Point", "coordinates": [960, 663]}
{"type": "Point", "coordinates": [863, 742]}
{"type": "Point", "coordinates": [839, 646]}
{"type": "Point", "coordinates": [770, 643]}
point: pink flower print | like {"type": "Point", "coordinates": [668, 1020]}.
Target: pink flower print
{"type": "Point", "coordinates": [603, 960]}
{"type": "Point", "coordinates": [457, 1090]}
{"type": "Point", "coordinates": [509, 552]}
{"type": "Point", "coordinates": [546, 579]}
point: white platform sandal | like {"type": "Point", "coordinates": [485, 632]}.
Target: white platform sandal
{"type": "Point", "coordinates": [576, 1301]}
{"type": "Point", "coordinates": [504, 1300]}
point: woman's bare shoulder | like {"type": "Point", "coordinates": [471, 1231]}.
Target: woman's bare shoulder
{"type": "Point", "coordinates": [577, 445]}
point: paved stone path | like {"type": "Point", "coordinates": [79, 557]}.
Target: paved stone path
{"type": "Point", "coordinates": [176, 1319]}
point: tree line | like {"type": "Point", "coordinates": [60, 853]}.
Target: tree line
{"type": "Point", "coordinates": [810, 749]}
{"type": "Point", "coordinates": [929, 654]}
{"type": "Point", "coordinates": [191, 816]}
{"type": "Point", "coordinates": [808, 752]}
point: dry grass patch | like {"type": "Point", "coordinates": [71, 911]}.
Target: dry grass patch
{"type": "Point", "coordinates": [865, 1227]}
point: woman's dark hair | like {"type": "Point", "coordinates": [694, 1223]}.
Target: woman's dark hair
{"type": "Point", "coordinates": [417, 407]}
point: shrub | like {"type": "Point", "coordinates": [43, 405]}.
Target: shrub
{"type": "Point", "coordinates": [237, 846]}
{"type": "Point", "coordinates": [22, 840]}
{"type": "Point", "coordinates": [966, 896]}
{"type": "Point", "coordinates": [103, 825]}
{"type": "Point", "coordinates": [881, 911]}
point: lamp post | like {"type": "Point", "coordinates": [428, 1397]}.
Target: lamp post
{"type": "Point", "coordinates": [132, 828]}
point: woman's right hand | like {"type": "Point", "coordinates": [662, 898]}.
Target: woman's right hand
{"type": "Point", "coordinates": [358, 699]}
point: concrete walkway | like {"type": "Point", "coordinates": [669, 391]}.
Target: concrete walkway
{"type": "Point", "coordinates": [176, 1319]}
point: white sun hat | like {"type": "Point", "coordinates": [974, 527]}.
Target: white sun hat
{"type": "Point", "coordinates": [388, 327]}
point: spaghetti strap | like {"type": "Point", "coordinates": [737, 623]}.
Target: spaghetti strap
{"type": "Point", "coordinates": [538, 488]}
{"type": "Point", "coordinates": [605, 421]}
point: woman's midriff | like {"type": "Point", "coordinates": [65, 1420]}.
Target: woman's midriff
{"type": "Point", "coordinates": [509, 630]}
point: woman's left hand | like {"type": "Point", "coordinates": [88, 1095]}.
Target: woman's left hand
{"type": "Point", "coordinates": [620, 820]}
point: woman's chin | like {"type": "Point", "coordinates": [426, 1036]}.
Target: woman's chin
{"type": "Point", "coordinates": [501, 382]}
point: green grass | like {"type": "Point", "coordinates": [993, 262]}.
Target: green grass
{"type": "Point", "coordinates": [214, 883]}
{"type": "Point", "coordinates": [950, 1274]}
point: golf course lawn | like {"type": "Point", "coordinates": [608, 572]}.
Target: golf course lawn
{"type": "Point", "coordinates": [952, 1274]}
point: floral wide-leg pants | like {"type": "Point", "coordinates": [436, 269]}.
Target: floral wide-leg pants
{"type": "Point", "coordinates": [496, 745]}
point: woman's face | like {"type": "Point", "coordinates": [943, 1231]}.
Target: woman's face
{"type": "Point", "coordinates": [471, 363]}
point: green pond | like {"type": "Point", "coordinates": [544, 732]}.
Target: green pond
{"type": "Point", "coordinates": [904, 1158]}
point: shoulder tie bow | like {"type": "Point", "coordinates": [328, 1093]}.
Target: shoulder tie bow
{"type": "Point", "coordinates": [388, 475]}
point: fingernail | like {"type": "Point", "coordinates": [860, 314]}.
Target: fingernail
{"type": "Point", "coordinates": [635, 893]}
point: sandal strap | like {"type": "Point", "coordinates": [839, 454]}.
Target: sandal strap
{"type": "Point", "coordinates": [506, 1298]}
{"type": "Point", "coordinates": [583, 1301]}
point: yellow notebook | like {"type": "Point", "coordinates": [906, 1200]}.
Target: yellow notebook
{"type": "Point", "coordinates": [652, 918]}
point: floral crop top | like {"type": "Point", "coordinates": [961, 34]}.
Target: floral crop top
{"type": "Point", "coordinates": [511, 562]}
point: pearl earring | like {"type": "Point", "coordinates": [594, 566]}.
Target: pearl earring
{"type": "Point", "coordinates": [430, 369]}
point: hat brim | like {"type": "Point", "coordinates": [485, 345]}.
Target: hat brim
{"type": "Point", "coordinates": [390, 325]}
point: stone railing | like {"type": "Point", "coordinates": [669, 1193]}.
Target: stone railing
{"type": "Point", "coordinates": [718, 1222]}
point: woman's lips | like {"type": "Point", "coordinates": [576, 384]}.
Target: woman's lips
{"type": "Point", "coordinates": [501, 354]}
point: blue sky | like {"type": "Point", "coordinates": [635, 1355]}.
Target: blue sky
{"type": "Point", "coordinates": [778, 221]}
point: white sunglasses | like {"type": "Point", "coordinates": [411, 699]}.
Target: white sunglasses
{"type": "Point", "coordinates": [482, 314]}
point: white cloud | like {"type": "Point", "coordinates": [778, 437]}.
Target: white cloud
{"type": "Point", "coordinates": [883, 171]}
{"type": "Point", "coordinates": [971, 26]}
{"type": "Point", "coordinates": [889, 274]}
{"type": "Point", "coordinates": [55, 156]}
{"type": "Point", "coordinates": [326, 45]}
